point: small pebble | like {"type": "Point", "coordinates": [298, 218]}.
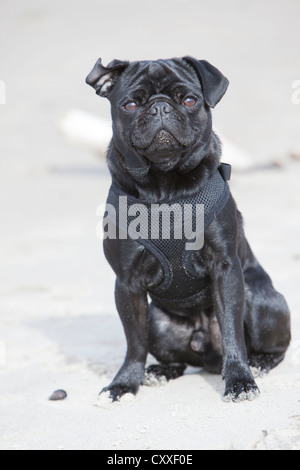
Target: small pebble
{"type": "Point", "coordinates": [58, 395]}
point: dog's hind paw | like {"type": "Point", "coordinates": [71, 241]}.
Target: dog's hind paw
{"type": "Point", "coordinates": [265, 362]}
{"type": "Point", "coordinates": [161, 373]}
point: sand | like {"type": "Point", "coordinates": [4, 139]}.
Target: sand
{"type": "Point", "coordinates": [59, 328]}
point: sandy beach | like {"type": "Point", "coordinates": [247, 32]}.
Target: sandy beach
{"type": "Point", "coordinates": [59, 328]}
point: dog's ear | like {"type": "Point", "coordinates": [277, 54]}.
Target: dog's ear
{"type": "Point", "coordinates": [214, 84]}
{"type": "Point", "coordinates": [103, 78]}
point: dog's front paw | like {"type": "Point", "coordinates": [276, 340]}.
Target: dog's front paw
{"type": "Point", "coordinates": [240, 384]}
{"type": "Point", "coordinates": [241, 390]}
{"type": "Point", "coordinates": [118, 390]}
{"type": "Point", "coordinates": [127, 381]}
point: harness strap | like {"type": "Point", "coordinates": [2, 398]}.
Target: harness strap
{"type": "Point", "coordinates": [180, 281]}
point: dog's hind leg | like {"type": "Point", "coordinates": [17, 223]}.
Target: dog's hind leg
{"type": "Point", "coordinates": [170, 339]}
{"type": "Point", "coordinates": [267, 320]}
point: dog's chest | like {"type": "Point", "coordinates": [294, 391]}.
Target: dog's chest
{"type": "Point", "coordinates": [172, 231]}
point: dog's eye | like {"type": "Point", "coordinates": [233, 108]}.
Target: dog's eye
{"type": "Point", "coordinates": [189, 102]}
{"type": "Point", "coordinates": [131, 106]}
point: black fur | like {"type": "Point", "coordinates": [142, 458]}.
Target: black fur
{"type": "Point", "coordinates": [240, 320]}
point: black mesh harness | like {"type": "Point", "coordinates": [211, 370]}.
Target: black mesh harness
{"type": "Point", "coordinates": [179, 282]}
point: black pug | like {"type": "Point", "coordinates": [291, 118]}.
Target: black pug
{"type": "Point", "coordinates": [212, 305]}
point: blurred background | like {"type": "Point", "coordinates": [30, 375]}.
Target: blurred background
{"type": "Point", "coordinates": [57, 313]}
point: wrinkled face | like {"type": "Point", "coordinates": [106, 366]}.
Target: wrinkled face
{"type": "Point", "coordinates": [158, 110]}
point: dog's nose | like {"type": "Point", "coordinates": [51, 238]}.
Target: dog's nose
{"type": "Point", "coordinates": [161, 108]}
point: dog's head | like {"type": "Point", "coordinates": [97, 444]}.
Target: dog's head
{"type": "Point", "coordinates": [160, 109]}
